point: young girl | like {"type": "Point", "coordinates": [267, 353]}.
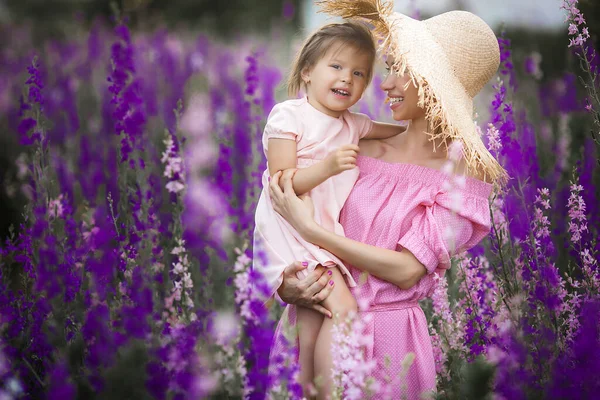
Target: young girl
{"type": "Point", "coordinates": [317, 135]}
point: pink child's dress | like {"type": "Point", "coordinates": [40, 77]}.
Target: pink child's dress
{"type": "Point", "coordinates": [396, 206]}
{"type": "Point", "coordinates": [276, 243]}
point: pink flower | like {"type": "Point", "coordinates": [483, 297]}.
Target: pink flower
{"type": "Point", "coordinates": [494, 141]}
{"type": "Point", "coordinates": [350, 368]}
{"type": "Point", "coordinates": [439, 356]}
{"type": "Point", "coordinates": [573, 29]}
{"type": "Point", "coordinates": [22, 164]}
{"type": "Point", "coordinates": [175, 186]}
{"type": "Point", "coordinates": [196, 123]}
{"type": "Point", "coordinates": [175, 47]}
{"type": "Point", "coordinates": [543, 198]}
{"type": "Point", "coordinates": [575, 17]}
{"type": "Point", "coordinates": [225, 328]}
{"type": "Point", "coordinates": [89, 234]}
{"type": "Point", "coordinates": [181, 291]}
{"type": "Point", "coordinates": [196, 61]}
{"type": "Point", "coordinates": [577, 217]}
{"type": "Point", "coordinates": [55, 207]}
{"type": "Point", "coordinates": [174, 170]}
{"type": "Point", "coordinates": [495, 354]}
{"type": "Point", "coordinates": [196, 120]}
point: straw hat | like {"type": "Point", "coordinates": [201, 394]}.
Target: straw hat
{"type": "Point", "coordinates": [449, 57]}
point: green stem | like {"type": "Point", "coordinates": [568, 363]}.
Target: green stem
{"type": "Point", "coordinates": [34, 373]}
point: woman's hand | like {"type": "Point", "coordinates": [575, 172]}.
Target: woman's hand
{"type": "Point", "coordinates": [297, 211]}
{"type": "Point", "coordinates": [308, 292]}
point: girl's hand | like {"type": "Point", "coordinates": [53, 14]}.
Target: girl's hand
{"type": "Point", "coordinates": [298, 211]}
{"type": "Point", "coordinates": [342, 159]}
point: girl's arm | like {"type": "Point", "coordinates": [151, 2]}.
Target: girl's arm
{"type": "Point", "coordinates": [400, 268]}
{"type": "Point", "coordinates": [281, 156]}
{"type": "Point", "coordinates": [381, 130]}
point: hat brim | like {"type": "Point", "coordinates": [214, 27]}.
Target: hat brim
{"type": "Point", "coordinates": [417, 53]}
{"type": "Point", "coordinates": [448, 106]}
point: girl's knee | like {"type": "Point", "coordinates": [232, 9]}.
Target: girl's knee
{"type": "Point", "coordinates": [345, 306]}
{"type": "Point", "coordinates": [340, 302]}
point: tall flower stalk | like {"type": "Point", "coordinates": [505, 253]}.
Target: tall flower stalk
{"type": "Point", "coordinates": [578, 39]}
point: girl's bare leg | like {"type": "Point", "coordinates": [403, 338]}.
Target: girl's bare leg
{"type": "Point", "coordinates": [309, 324]}
{"type": "Point", "coordinates": [340, 302]}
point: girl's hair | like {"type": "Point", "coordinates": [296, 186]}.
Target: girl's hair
{"type": "Point", "coordinates": [315, 47]}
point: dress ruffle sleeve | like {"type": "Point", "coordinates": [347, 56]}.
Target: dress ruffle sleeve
{"type": "Point", "coordinates": [437, 233]}
{"type": "Point", "coordinates": [282, 123]}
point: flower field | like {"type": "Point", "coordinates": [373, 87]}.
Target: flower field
{"type": "Point", "coordinates": [135, 165]}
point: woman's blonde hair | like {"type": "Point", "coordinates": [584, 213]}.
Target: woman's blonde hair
{"type": "Point", "coordinates": [350, 33]}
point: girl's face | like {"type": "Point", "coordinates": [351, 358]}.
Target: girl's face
{"type": "Point", "coordinates": [403, 95]}
{"type": "Point", "coordinates": [337, 81]}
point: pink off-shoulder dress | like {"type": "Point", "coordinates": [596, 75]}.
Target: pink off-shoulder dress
{"type": "Point", "coordinates": [276, 243]}
{"type": "Point", "coordinates": [396, 206]}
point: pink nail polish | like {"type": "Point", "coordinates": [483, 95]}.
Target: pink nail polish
{"type": "Point", "coordinates": [329, 273]}
{"type": "Point", "coordinates": [305, 263]}
{"type": "Point", "coordinates": [269, 179]}
{"type": "Point", "coordinates": [331, 283]}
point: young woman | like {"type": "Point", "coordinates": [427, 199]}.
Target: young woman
{"type": "Point", "coordinates": [399, 220]}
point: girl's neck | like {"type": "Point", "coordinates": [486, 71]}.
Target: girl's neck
{"type": "Point", "coordinates": [319, 107]}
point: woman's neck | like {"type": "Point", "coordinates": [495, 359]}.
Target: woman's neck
{"type": "Point", "coordinates": [412, 146]}
{"type": "Point", "coordinates": [416, 134]}
{"type": "Point", "coordinates": [417, 137]}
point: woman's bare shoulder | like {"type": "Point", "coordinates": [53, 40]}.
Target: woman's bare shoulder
{"type": "Point", "coordinates": [371, 147]}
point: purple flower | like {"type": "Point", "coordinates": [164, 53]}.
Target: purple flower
{"type": "Point", "coordinates": [35, 83]}
{"type": "Point", "coordinates": [61, 386]}
{"type": "Point", "coordinates": [532, 65]}
{"type": "Point", "coordinates": [288, 10]}
{"type": "Point", "coordinates": [573, 374]}
{"type": "Point", "coordinates": [129, 114]}
{"type": "Point", "coordinates": [35, 102]}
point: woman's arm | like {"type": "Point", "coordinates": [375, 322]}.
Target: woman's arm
{"type": "Point", "coordinates": [381, 130]}
{"type": "Point", "coordinates": [400, 268]}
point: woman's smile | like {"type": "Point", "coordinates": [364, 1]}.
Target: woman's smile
{"type": "Point", "coordinates": [395, 102]}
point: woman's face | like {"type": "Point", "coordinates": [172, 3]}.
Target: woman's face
{"type": "Point", "coordinates": [402, 93]}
